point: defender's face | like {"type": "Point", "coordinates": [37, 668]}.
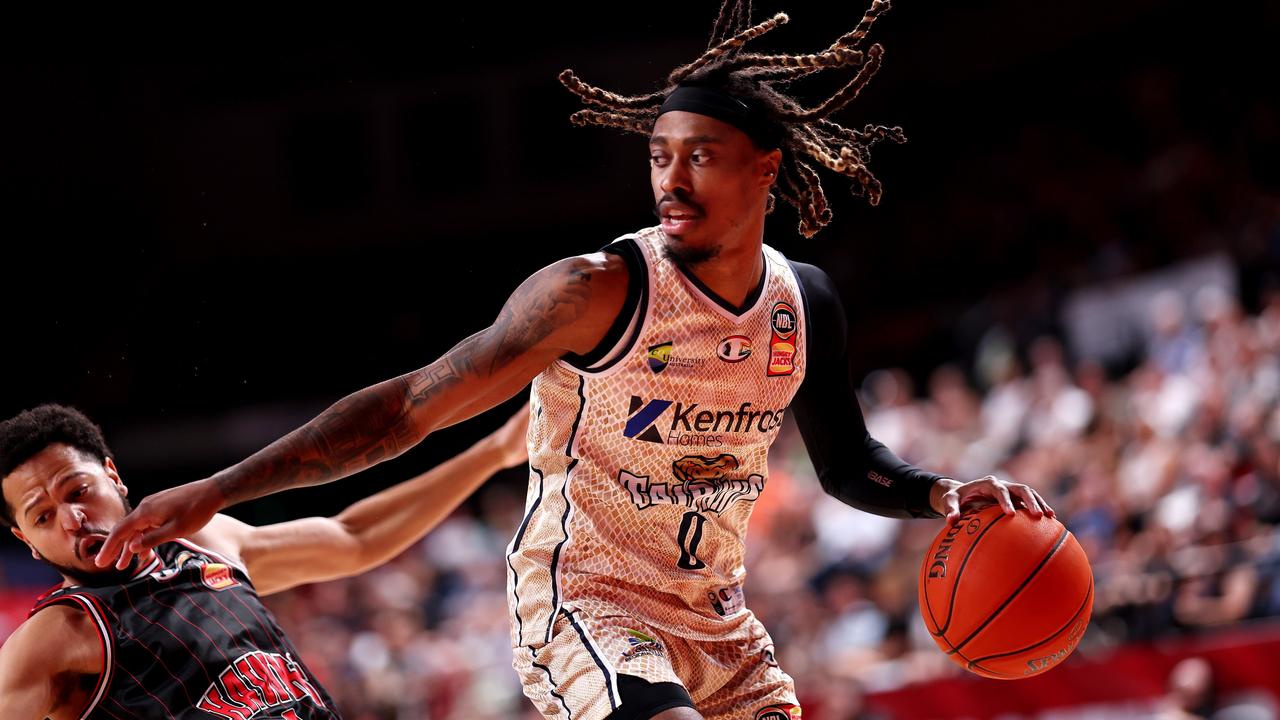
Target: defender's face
{"type": "Point", "coordinates": [65, 504]}
{"type": "Point", "coordinates": [709, 180]}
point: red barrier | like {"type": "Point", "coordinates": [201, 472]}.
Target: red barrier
{"type": "Point", "coordinates": [1244, 659]}
{"type": "Point", "coordinates": [14, 605]}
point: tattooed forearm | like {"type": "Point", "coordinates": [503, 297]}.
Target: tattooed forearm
{"type": "Point", "coordinates": [382, 421]}
{"type": "Point", "coordinates": [430, 380]}
{"type": "Point", "coordinates": [361, 430]}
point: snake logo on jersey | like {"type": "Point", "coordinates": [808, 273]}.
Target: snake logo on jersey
{"type": "Point", "coordinates": [254, 684]}
{"type": "Point", "coordinates": [700, 482]}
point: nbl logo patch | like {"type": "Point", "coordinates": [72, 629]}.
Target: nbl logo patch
{"type": "Point", "coordinates": [779, 712]}
{"type": "Point", "coordinates": [782, 347]}
{"type": "Point", "coordinates": [783, 320]}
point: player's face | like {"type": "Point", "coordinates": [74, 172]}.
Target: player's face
{"type": "Point", "coordinates": [710, 183]}
{"type": "Point", "coordinates": [65, 503]}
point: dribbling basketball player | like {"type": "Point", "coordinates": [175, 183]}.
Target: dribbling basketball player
{"type": "Point", "coordinates": [662, 369]}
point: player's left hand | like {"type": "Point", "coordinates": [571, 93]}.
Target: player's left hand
{"type": "Point", "coordinates": [949, 496]}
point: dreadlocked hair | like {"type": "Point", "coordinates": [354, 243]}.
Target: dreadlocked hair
{"type": "Point", "coordinates": [810, 138]}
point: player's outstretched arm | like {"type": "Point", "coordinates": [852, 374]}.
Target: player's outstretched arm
{"type": "Point", "coordinates": [853, 466]}
{"type": "Point", "coordinates": [42, 662]}
{"type": "Point", "coordinates": [372, 531]}
{"type": "Point", "coordinates": [565, 307]}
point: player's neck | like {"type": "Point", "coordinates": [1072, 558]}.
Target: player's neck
{"type": "Point", "coordinates": [110, 576]}
{"type": "Point", "coordinates": [735, 272]}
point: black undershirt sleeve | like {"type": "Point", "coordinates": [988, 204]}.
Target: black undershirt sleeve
{"type": "Point", "coordinates": [852, 466]}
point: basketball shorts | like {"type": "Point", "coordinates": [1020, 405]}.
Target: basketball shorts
{"type": "Point", "coordinates": [603, 664]}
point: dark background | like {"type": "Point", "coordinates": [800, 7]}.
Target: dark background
{"type": "Point", "coordinates": [215, 227]}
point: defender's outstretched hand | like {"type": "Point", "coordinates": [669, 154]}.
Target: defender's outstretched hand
{"type": "Point", "coordinates": [510, 438]}
{"type": "Point", "coordinates": [950, 496]}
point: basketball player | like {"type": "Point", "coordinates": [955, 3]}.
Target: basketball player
{"type": "Point", "coordinates": [662, 369]}
{"type": "Point", "coordinates": [181, 632]}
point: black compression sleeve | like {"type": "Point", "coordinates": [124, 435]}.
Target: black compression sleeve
{"type": "Point", "coordinates": [852, 466]}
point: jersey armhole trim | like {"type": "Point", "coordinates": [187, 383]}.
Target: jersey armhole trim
{"type": "Point", "coordinates": [625, 330]}
{"type": "Point", "coordinates": [806, 321]}
{"type": "Point", "coordinates": [90, 605]}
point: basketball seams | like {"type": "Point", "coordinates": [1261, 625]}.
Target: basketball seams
{"type": "Point", "coordinates": [955, 584]}
{"type": "Point", "coordinates": [1088, 599]}
{"type": "Point", "coordinates": [1045, 561]}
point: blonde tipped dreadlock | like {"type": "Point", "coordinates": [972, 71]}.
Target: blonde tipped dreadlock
{"type": "Point", "coordinates": [810, 138]}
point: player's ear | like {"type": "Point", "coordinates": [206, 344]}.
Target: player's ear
{"type": "Point", "coordinates": [768, 167]}
{"type": "Point", "coordinates": [18, 534]}
{"type": "Point", "coordinates": [110, 466]}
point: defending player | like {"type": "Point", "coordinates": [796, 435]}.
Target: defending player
{"type": "Point", "coordinates": [181, 632]}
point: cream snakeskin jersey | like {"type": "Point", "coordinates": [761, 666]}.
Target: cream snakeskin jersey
{"type": "Point", "coordinates": [646, 465]}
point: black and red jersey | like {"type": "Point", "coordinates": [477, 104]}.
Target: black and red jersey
{"type": "Point", "coordinates": [188, 637]}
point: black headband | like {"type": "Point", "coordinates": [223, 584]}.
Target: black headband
{"type": "Point", "coordinates": [716, 103]}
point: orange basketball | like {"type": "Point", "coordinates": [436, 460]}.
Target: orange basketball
{"type": "Point", "coordinates": [1006, 596]}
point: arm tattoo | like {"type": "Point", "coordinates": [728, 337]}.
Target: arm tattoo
{"type": "Point", "coordinates": [536, 310]}
{"type": "Point", "coordinates": [375, 424]}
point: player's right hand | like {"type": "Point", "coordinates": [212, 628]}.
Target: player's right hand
{"type": "Point", "coordinates": [168, 514]}
{"type": "Point", "coordinates": [510, 439]}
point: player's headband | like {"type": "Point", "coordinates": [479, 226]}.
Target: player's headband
{"type": "Point", "coordinates": [713, 102]}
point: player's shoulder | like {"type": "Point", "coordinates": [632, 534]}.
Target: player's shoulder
{"type": "Point", "coordinates": [811, 277]}
{"type": "Point", "coordinates": [603, 265]}
{"type": "Point", "coordinates": [56, 638]}
{"type": "Point", "coordinates": [224, 535]}
{"type": "Point", "coordinates": [597, 281]}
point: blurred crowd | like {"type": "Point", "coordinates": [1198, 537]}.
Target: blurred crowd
{"type": "Point", "coordinates": [1169, 476]}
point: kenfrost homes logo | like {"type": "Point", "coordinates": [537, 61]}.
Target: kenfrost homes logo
{"type": "Point", "coordinates": [691, 424]}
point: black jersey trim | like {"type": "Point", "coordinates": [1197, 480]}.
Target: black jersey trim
{"type": "Point", "coordinates": [105, 639]}
{"type": "Point", "coordinates": [551, 681]}
{"type": "Point", "coordinates": [568, 508]}
{"type": "Point", "coordinates": [804, 302]}
{"type": "Point", "coordinates": [748, 303]}
{"type": "Point", "coordinates": [634, 306]}
{"type": "Point", "coordinates": [610, 681]}
{"type": "Point", "coordinates": [515, 545]}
